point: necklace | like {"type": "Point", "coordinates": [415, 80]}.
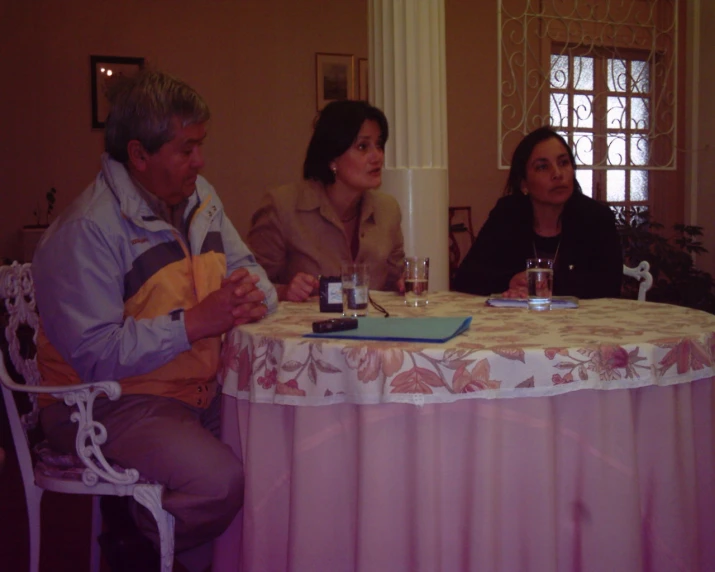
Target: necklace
{"type": "Point", "coordinates": [536, 255]}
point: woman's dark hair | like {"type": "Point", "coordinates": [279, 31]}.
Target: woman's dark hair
{"type": "Point", "coordinates": [523, 151]}
{"type": "Point", "coordinates": [335, 131]}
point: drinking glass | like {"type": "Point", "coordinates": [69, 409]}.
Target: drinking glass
{"type": "Point", "coordinates": [356, 283]}
{"type": "Point", "coordinates": [416, 275]}
{"type": "Point", "coordinates": [539, 283]}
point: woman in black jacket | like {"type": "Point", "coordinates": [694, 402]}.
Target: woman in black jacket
{"type": "Point", "coordinates": [544, 214]}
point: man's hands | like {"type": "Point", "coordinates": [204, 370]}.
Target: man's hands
{"type": "Point", "coordinates": [238, 301]}
{"type": "Point", "coordinates": [517, 286]}
{"type": "Point", "coordinates": [299, 289]}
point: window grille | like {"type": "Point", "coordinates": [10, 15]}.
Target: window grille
{"type": "Point", "coordinates": [604, 74]}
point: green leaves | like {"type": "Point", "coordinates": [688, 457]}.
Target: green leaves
{"type": "Point", "coordinates": [676, 280]}
{"type": "Point", "coordinates": [50, 196]}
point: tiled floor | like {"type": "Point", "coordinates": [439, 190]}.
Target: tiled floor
{"type": "Point", "coordinates": [65, 522]}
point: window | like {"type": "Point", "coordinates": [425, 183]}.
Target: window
{"type": "Point", "coordinates": [601, 104]}
{"type": "Point", "coordinates": [605, 75]}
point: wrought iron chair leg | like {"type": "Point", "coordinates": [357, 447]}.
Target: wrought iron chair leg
{"type": "Point", "coordinates": [150, 497]}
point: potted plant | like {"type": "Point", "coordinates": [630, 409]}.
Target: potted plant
{"type": "Point", "coordinates": [676, 280]}
{"type": "Point", "coordinates": [31, 233]}
{"type": "Point", "coordinates": [42, 215]}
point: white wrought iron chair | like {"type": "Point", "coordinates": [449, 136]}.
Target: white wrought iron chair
{"type": "Point", "coordinates": [86, 473]}
{"type": "Point", "coordinates": [643, 275]}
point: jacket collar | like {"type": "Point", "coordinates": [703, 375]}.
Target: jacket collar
{"type": "Point", "coordinates": [312, 196]}
{"type": "Point", "coordinates": [131, 202]}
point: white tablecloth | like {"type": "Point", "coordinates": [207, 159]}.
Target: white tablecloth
{"type": "Point", "coordinates": [604, 344]}
{"type": "Point", "coordinates": [561, 476]}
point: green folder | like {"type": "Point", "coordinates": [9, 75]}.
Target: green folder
{"type": "Point", "coordinates": [428, 329]}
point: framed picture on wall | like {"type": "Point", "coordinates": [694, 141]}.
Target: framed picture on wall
{"type": "Point", "coordinates": [363, 92]}
{"type": "Point", "coordinates": [104, 71]}
{"type": "Point", "coordinates": [334, 78]}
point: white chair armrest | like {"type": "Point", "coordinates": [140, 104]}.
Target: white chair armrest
{"type": "Point", "coordinates": [91, 434]}
{"type": "Point", "coordinates": [643, 275]}
{"type": "Point", "coordinates": [111, 388]}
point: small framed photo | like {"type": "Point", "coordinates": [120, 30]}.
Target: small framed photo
{"type": "Point", "coordinates": [331, 294]}
{"type": "Point", "coordinates": [104, 71]}
{"type": "Point", "coordinates": [363, 91]}
{"type": "Point", "coordinates": [334, 78]}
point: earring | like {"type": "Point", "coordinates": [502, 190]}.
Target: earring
{"type": "Point", "coordinates": [334, 169]}
{"type": "Point", "coordinates": [525, 191]}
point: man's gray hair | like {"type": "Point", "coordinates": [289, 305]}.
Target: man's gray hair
{"type": "Point", "coordinates": [143, 107]}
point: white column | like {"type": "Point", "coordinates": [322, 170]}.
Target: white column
{"type": "Point", "coordinates": [408, 82]}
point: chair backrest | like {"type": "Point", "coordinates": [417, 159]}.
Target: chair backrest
{"type": "Point", "coordinates": [643, 275]}
{"type": "Point", "coordinates": [85, 472]}
{"type": "Point", "coordinates": [461, 238]}
{"type": "Point", "coordinates": [18, 296]}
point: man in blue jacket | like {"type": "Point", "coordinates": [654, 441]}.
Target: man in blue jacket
{"type": "Point", "coordinates": [136, 282]}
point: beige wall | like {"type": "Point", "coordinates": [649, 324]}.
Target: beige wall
{"type": "Point", "coordinates": [471, 44]}
{"type": "Point", "coordinates": [253, 61]}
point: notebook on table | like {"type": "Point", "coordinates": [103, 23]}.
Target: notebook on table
{"type": "Point", "coordinates": [557, 302]}
{"type": "Point", "coordinates": [427, 329]}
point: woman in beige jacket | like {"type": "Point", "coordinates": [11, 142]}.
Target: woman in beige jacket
{"type": "Point", "coordinates": [336, 214]}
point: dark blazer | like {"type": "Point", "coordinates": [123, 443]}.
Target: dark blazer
{"type": "Point", "coordinates": [589, 263]}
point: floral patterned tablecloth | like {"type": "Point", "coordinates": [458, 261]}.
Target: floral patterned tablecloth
{"type": "Point", "coordinates": [507, 352]}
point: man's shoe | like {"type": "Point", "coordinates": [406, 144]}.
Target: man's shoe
{"type": "Point", "coordinates": [129, 553]}
{"type": "Point", "coordinates": [124, 548]}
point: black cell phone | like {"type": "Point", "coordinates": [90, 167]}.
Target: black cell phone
{"type": "Point", "coordinates": [334, 325]}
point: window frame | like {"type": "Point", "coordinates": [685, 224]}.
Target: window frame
{"type": "Point", "coordinates": [600, 131]}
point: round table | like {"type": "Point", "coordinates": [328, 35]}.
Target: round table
{"type": "Point", "coordinates": [566, 440]}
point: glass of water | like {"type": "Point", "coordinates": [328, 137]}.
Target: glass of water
{"type": "Point", "coordinates": [356, 284]}
{"type": "Point", "coordinates": [416, 277]}
{"type": "Point", "coordinates": [539, 282]}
